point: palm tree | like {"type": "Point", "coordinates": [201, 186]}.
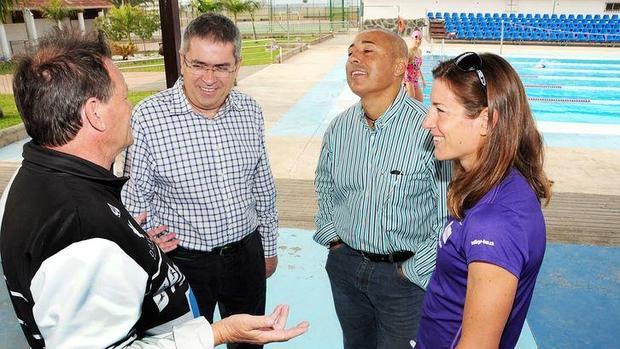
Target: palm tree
{"type": "Point", "coordinates": [204, 6]}
{"type": "Point", "coordinates": [253, 6]}
{"type": "Point", "coordinates": [56, 11]}
{"type": "Point", "coordinates": [235, 7]}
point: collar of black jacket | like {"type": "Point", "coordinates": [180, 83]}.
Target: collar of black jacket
{"type": "Point", "coordinates": [62, 162]}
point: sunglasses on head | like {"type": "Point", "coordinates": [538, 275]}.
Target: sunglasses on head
{"type": "Point", "coordinates": [470, 61]}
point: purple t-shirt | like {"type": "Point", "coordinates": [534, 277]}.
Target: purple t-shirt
{"type": "Point", "coordinates": [505, 228]}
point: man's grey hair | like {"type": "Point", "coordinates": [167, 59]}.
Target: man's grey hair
{"type": "Point", "coordinates": [215, 27]}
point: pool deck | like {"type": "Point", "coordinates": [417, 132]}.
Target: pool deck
{"type": "Point", "coordinates": [577, 299]}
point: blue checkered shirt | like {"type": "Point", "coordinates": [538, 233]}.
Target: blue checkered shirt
{"type": "Point", "coordinates": [208, 180]}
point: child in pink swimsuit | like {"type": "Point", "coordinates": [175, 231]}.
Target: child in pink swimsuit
{"type": "Point", "coordinates": [414, 80]}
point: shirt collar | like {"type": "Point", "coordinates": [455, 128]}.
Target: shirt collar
{"type": "Point", "coordinates": [392, 110]}
{"type": "Point", "coordinates": [37, 155]}
{"type": "Point", "coordinates": [181, 104]}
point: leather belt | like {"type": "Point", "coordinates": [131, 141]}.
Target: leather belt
{"type": "Point", "coordinates": [184, 254]}
{"type": "Point", "coordinates": [394, 257]}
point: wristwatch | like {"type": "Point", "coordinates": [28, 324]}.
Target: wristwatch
{"type": "Point", "coordinates": [334, 243]}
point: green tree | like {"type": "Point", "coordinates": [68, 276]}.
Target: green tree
{"type": "Point", "coordinates": [235, 7]}
{"type": "Point", "coordinates": [120, 22]}
{"type": "Point", "coordinates": [204, 6]}
{"type": "Point", "coordinates": [119, 3]}
{"type": "Point", "coordinates": [147, 25]}
{"type": "Point", "coordinates": [56, 11]}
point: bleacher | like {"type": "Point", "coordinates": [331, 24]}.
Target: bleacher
{"type": "Point", "coordinates": [563, 28]}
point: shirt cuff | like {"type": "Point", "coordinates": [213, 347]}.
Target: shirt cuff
{"type": "Point", "coordinates": [325, 234]}
{"type": "Point", "coordinates": [409, 269]}
{"type": "Point", "coordinates": [270, 242]}
{"type": "Point", "coordinates": [196, 333]}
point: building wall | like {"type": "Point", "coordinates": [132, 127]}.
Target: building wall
{"type": "Point", "coordinates": [418, 8]}
{"type": "Point", "coordinates": [16, 32]}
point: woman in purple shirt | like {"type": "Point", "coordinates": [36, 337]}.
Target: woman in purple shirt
{"type": "Point", "coordinates": [492, 248]}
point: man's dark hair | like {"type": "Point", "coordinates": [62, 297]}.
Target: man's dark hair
{"type": "Point", "coordinates": [52, 84]}
{"type": "Point", "coordinates": [213, 26]}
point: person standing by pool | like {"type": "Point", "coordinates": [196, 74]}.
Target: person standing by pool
{"type": "Point", "coordinates": [381, 199]}
{"type": "Point", "coordinates": [414, 80]}
{"type": "Point", "coordinates": [492, 248]}
{"type": "Point", "coordinates": [199, 166]}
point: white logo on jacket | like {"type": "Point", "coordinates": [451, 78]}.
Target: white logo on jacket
{"type": "Point", "coordinates": [115, 210]}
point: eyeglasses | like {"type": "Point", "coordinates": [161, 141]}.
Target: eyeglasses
{"type": "Point", "coordinates": [470, 61]}
{"type": "Point", "coordinates": [198, 68]}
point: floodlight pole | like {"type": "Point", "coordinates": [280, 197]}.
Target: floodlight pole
{"type": "Point", "coordinates": [501, 39]}
{"type": "Point", "coordinates": [171, 39]}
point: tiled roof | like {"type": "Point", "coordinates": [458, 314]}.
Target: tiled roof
{"type": "Point", "coordinates": [72, 4]}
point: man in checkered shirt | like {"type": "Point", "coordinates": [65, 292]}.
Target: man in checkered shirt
{"type": "Point", "coordinates": [199, 170]}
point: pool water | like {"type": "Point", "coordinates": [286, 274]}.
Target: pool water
{"type": "Point", "coordinates": [566, 90]}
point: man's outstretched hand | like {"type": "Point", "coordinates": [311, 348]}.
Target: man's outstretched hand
{"type": "Point", "coordinates": [243, 328]}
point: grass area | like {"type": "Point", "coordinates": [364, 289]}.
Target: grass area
{"type": "Point", "coordinates": [253, 53]}
{"type": "Point", "coordinates": [11, 116]}
{"type": "Point", "coordinates": [7, 67]}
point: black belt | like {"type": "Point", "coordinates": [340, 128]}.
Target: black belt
{"type": "Point", "coordinates": [184, 254]}
{"type": "Point", "coordinates": [394, 257]}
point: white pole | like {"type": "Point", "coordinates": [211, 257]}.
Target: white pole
{"type": "Point", "coordinates": [80, 16]}
{"type": "Point", "coordinates": [4, 42]}
{"type": "Point", "coordinates": [501, 39]}
{"type": "Point", "coordinates": [30, 26]}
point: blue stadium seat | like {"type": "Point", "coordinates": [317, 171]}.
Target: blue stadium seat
{"type": "Point", "coordinates": [462, 15]}
{"type": "Point", "coordinates": [562, 17]}
{"type": "Point", "coordinates": [554, 16]}
{"type": "Point", "coordinates": [596, 17]}
{"type": "Point", "coordinates": [537, 16]}
{"type": "Point", "coordinates": [430, 15]}
{"type": "Point", "coordinates": [520, 15]}
{"type": "Point", "coordinates": [605, 17]}
{"type": "Point", "coordinates": [454, 15]}
{"type": "Point", "coordinates": [615, 17]}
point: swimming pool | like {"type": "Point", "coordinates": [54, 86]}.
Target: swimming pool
{"type": "Point", "coordinates": [566, 90]}
{"type": "Point", "coordinates": [573, 100]}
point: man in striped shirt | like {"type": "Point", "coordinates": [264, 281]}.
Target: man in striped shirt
{"type": "Point", "coordinates": [381, 199]}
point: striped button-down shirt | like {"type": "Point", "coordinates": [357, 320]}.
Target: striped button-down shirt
{"type": "Point", "coordinates": [380, 189]}
{"type": "Point", "coordinates": [208, 180]}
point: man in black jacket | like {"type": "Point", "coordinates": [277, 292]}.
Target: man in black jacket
{"type": "Point", "coordinates": [80, 270]}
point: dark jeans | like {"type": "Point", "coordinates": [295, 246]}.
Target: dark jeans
{"type": "Point", "coordinates": [377, 308]}
{"type": "Point", "coordinates": [234, 280]}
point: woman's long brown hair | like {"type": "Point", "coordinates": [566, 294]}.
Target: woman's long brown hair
{"type": "Point", "coordinates": [512, 140]}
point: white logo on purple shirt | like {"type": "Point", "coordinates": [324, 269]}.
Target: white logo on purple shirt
{"type": "Point", "coordinates": [482, 242]}
{"type": "Point", "coordinates": [446, 234]}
